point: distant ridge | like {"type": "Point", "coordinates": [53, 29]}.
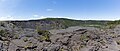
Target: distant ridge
{"type": "Point", "coordinates": [56, 23]}
{"type": "Point", "coordinates": [55, 18]}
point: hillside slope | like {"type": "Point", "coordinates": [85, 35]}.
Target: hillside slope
{"type": "Point", "coordinates": [57, 23]}
{"type": "Point", "coordinates": [37, 35]}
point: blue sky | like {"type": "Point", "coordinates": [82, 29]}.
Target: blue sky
{"type": "Point", "coordinates": [73, 9]}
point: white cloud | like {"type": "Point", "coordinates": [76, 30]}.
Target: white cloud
{"type": "Point", "coordinates": [6, 18]}
{"type": "Point", "coordinates": [42, 17]}
{"type": "Point", "coordinates": [35, 15]}
{"type": "Point", "coordinates": [38, 17]}
{"type": "Point", "coordinates": [49, 10]}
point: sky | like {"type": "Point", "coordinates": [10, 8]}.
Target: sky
{"type": "Point", "coordinates": [72, 9]}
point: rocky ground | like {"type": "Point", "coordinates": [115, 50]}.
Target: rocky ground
{"type": "Point", "coordinates": [75, 38]}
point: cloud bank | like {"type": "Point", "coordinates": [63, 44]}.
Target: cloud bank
{"type": "Point", "coordinates": [35, 17]}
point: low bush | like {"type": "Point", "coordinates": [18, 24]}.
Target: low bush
{"type": "Point", "coordinates": [45, 34]}
{"type": "Point", "coordinates": [3, 33]}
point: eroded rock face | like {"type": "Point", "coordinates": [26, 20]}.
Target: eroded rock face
{"type": "Point", "coordinates": [70, 39]}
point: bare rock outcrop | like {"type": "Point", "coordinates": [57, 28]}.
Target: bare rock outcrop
{"type": "Point", "coordinates": [13, 38]}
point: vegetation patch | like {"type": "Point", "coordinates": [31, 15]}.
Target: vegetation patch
{"type": "Point", "coordinates": [112, 24]}
{"type": "Point", "coordinates": [118, 42]}
{"type": "Point", "coordinates": [3, 33]}
{"type": "Point", "coordinates": [84, 37]}
{"type": "Point", "coordinates": [45, 35]}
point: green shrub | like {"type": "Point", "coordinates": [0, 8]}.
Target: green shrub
{"type": "Point", "coordinates": [84, 37]}
{"type": "Point", "coordinates": [3, 33]}
{"type": "Point", "coordinates": [45, 34]}
{"type": "Point", "coordinates": [61, 49]}
{"type": "Point", "coordinates": [118, 42]}
{"type": "Point", "coordinates": [112, 24]}
{"type": "Point", "coordinates": [25, 39]}
{"type": "Point", "coordinates": [16, 36]}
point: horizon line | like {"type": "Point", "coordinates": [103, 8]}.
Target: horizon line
{"type": "Point", "coordinates": [58, 18]}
